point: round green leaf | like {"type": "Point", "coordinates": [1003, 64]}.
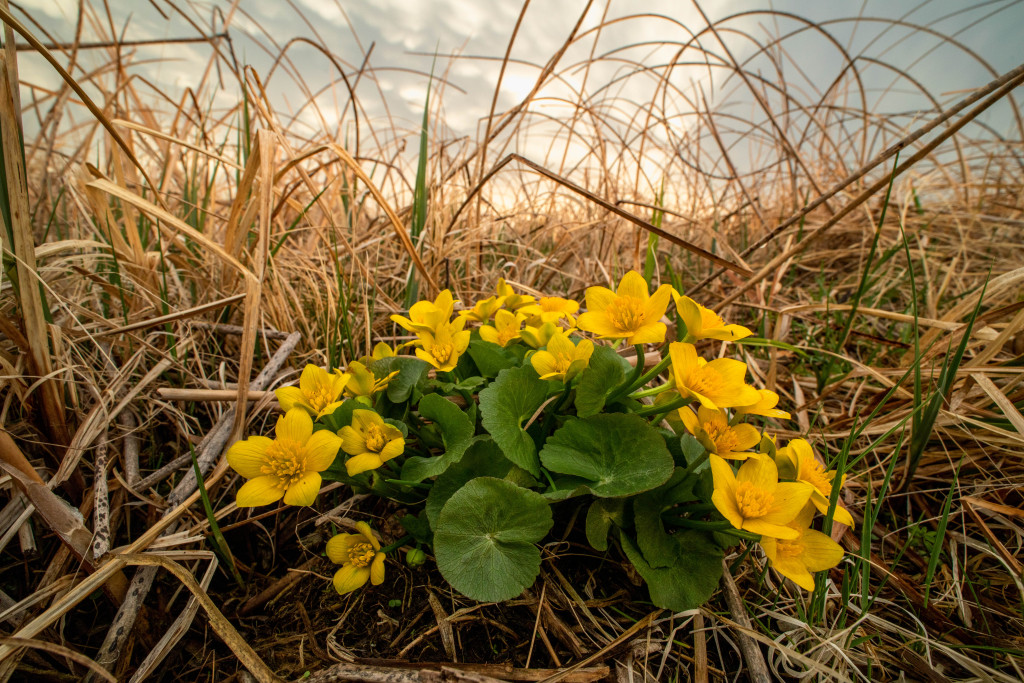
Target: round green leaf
{"type": "Point", "coordinates": [485, 539]}
{"type": "Point", "coordinates": [505, 407]}
{"type": "Point", "coordinates": [688, 583]}
{"type": "Point", "coordinates": [616, 454]}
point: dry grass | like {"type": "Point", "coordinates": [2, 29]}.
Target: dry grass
{"type": "Point", "coordinates": [173, 242]}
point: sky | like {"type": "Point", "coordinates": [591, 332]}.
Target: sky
{"type": "Point", "coordinates": [464, 41]}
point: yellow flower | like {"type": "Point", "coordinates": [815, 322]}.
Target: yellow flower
{"type": "Point", "coordinates": [286, 467]}
{"type": "Point", "coordinates": [718, 384]}
{"type": "Point", "coordinates": [765, 406]}
{"type": "Point", "coordinates": [360, 558]}
{"type": "Point", "coordinates": [538, 337]}
{"type": "Point", "coordinates": [505, 330]}
{"type": "Point", "coordinates": [703, 323]}
{"type": "Point", "coordinates": [443, 347]}
{"type": "Point", "coordinates": [711, 427]}
{"type": "Point", "coordinates": [511, 300]}
{"type": "Point", "coordinates": [628, 313]}
{"type": "Point", "coordinates": [380, 351]}
{"type": "Point", "coordinates": [427, 316]}
{"type": "Point", "coordinates": [754, 500]}
{"type": "Point", "coordinates": [562, 360]}
{"type": "Point", "coordinates": [370, 441]}
{"type": "Point", "coordinates": [363, 383]}
{"type": "Point", "coordinates": [482, 311]}
{"type": "Point", "coordinates": [549, 309]}
{"type": "Point", "coordinates": [798, 461]}
{"type": "Point", "coordinates": [318, 392]}
{"type": "Point", "coordinates": [797, 558]}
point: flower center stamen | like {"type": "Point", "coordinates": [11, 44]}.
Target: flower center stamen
{"type": "Point", "coordinates": [375, 439]}
{"type": "Point", "coordinates": [286, 460]}
{"type": "Point", "coordinates": [814, 474]}
{"type": "Point", "coordinates": [626, 313]}
{"type": "Point", "coordinates": [721, 435]}
{"type": "Point", "coordinates": [361, 555]}
{"type": "Point", "coordinates": [441, 352]}
{"type": "Point", "coordinates": [752, 501]}
{"type": "Point", "coordinates": [319, 398]}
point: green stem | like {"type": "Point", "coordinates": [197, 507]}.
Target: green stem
{"type": "Point", "coordinates": [700, 524]}
{"type": "Point", "coordinates": [692, 467]}
{"type": "Point", "coordinates": [549, 418]}
{"type": "Point", "coordinates": [664, 408]}
{"type": "Point", "coordinates": [653, 372]}
{"type": "Point", "coordinates": [653, 391]}
{"type": "Point", "coordinates": [404, 540]}
{"type": "Point", "coordinates": [630, 382]}
{"type": "Point", "coordinates": [746, 535]}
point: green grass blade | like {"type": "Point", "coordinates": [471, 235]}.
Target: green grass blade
{"type": "Point", "coordinates": [220, 546]}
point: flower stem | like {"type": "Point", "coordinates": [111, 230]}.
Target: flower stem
{"type": "Point", "coordinates": [404, 540]}
{"type": "Point", "coordinates": [630, 381]}
{"type": "Point", "coordinates": [665, 408]}
{"type": "Point", "coordinates": [653, 372]}
{"type": "Point", "coordinates": [653, 391]}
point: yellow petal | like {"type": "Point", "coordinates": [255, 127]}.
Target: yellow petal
{"type": "Point", "coordinates": [760, 526]}
{"type": "Point", "coordinates": [544, 363]}
{"type": "Point", "coordinates": [338, 547]}
{"type": "Point", "coordinates": [763, 474]}
{"type": "Point", "coordinates": [792, 568]}
{"type": "Point", "coordinates": [727, 333]}
{"type": "Point", "coordinates": [393, 448]}
{"type": "Point", "coordinates": [362, 463]}
{"type": "Point", "coordinates": [352, 442]}
{"type": "Point", "coordinates": [650, 333]}
{"type": "Point", "coordinates": [304, 491]}
{"type": "Point", "coordinates": [690, 421]}
{"type": "Point", "coordinates": [248, 457]}
{"type": "Point", "coordinates": [295, 425]}
{"type": "Point", "coordinates": [362, 420]}
{"type": "Point", "coordinates": [349, 578]}
{"type": "Point", "coordinates": [367, 533]}
{"type": "Point", "coordinates": [726, 505]}
{"type": "Point", "coordinates": [290, 397]}
{"type": "Point", "coordinates": [790, 498]}
{"type": "Point", "coordinates": [689, 313]}
{"type": "Point", "coordinates": [321, 449]}
{"type": "Point", "coordinates": [377, 569]}
{"type": "Point", "coordinates": [820, 551]}
{"type": "Point", "coordinates": [598, 299]}
{"type": "Point", "coordinates": [747, 437]}
{"type": "Point", "coordinates": [598, 323]}
{"type": "Point", "coordinates": [633, 284]}
{"type": "Point", "coordinates": [655, 307]}
{"type": "Point", "coordinates": [262, 490]}
{"type": "Point", "coordinates": [489, 334]}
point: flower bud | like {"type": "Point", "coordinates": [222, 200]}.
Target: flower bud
{"type": "Point", "coordinates": [415, 557]}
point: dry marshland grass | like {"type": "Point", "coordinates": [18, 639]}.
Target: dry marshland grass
{"type": "Point", "coordinates": [178, 245]}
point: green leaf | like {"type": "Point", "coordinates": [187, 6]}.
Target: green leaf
{"type": "Point", "coordinates": [418, 527]}
{"type": "Point", "coordinates": [613, 454]}
{"type": "Point", "coordinates": [490, 358]}
{"type": "Point", "coordinates": [693, 450]}
{"type": "Point", "coordinates": [482, 459]}
{"type": "Point", "coordinates": [411, 371]}
{"type": "Point", "coordinates": [602, 514]}
{"type": "Point", "coordinates": [456, 432]}
{"type": "Point", "coordinates": [506, 405]}
{"type": "Point", "coordinates": [689, 582]}
{"type": "Point", "coordinates": [657, 545]}
{"type": "Point", "coordinates": [606, 371]}
{"type": "Point", "coordinates": [485, 539]}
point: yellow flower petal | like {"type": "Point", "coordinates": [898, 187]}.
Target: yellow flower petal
{"type": "Point", "coordinates": [248, 457]}
{"type": "Point", "coordinates": [790, 498]}
{"type": "Point", "coordinates": [598, 298]}
{"type": "Point", "coordinates": [633, 284]}
{"type": "Point", "coordinates": [367, 533]}
{"type": "Point", "coordinates": [262, 490]}
{"type": "Point", "coordinates": [652, 333]}
{"type": "Point", "coordinates": [377, 569]}
{"type": "Point", "coordinates": [655, 307]}
{"type": "Point", "coordinates": [290, 397]}
{"type": "Point", "coordinates": [295, 425]}
{"type": "Point", "coordinates": [303, 492]}
{"type": "Point", "coordinates": [321, 449]}
{"type": "Point", "coordinates": [820, 551]}
{"type": "Point", "coordinates": [349, 578]}
{"type": "Point", "coordinates": [339, 545]}
{"type": "Point", "coordinates": [362, 463]}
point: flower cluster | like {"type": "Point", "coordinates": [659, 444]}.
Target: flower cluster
{"type": "Point", "coordinates": [533, 400]}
